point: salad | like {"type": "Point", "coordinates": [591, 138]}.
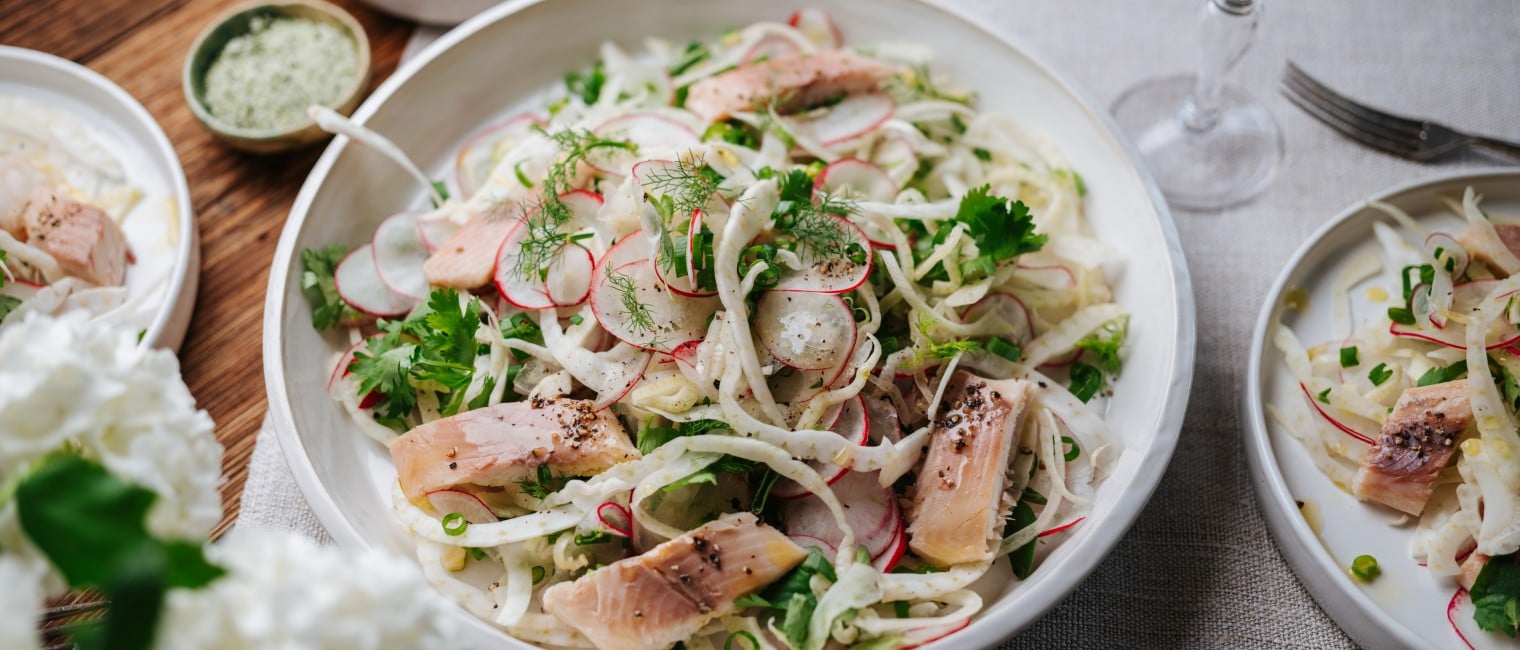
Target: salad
{"type": "Point", "coordinates": [63, 199]}
{"type": "Point", "coordinates": [758, 341]}
{"type": "Point", "coordinates": [1394, 413]}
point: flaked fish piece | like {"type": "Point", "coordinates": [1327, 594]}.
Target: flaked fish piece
{"type": "Point", "coordinates": [795, 82]}
{"type": "Point", "coordinates": [86, 241]}
{"type": "Point", "coordinates": [488, 452]}
{"type": "Point", "coordinates": [955, 512]}
{"type": "Point", "coordinates": [18, 180]}
{"type": "Point", "coordinates": [467, 259]}
{"type": "Point", "coordinates": [1416, 441]}
{"type": "Point", "coordinates": [1509, 234]}
{"type": "Point", "coordinates": [664, 596]}
{"type": "Point", "coordinates": [1471, 567]}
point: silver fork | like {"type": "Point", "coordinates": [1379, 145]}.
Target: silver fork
{"type": "Point", "coordinates": [1415, 139]}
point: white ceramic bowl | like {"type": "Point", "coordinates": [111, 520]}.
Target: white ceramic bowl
{"type": "Point", "coordinates": [1406, 606]}
{"type": "Point", "coordinates": [464, 80]}
{"type": "Point", "coordinates": [168, 255]}
{"type": "Point", "coordinates": [443, 13]}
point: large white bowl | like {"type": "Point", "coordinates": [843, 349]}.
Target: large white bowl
{"type": "Point", "coordinates": [168, 255]}
{"type": "Point", "coordinates": [513, 53]}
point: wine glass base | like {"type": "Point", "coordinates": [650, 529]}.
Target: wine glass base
{"type": "Point", "coordinates": [1201, 168]}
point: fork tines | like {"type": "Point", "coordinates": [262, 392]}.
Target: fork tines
{"type": "Point", "coordinates": [1394, 134]}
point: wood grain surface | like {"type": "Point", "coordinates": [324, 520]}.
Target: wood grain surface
{"type": "Point", "coordinates": [240, 199]}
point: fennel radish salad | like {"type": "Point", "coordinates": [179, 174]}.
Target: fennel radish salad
{"type": "Point", "coordinates": [741, 272]}
{"type": "Point", "coordinates": [1415, 408]}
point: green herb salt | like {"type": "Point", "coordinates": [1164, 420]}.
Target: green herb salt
{"type": "Point", "coordinates": [266, 78]}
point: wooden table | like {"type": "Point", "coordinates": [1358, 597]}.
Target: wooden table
{"type": "Point", "coordinates": [240, 200]}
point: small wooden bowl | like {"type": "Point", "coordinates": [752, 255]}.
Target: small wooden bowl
{"type": "Point", "coordinates": [236, 23]}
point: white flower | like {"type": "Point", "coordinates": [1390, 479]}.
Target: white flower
{"type": "Point", "coordinates": [20, 602]}
{"type": "Point", "coordinates": [69, 383]}
{"type": "Point", "coordinates": [283, 591]}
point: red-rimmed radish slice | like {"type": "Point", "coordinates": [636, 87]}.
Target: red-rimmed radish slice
{"type": "Point", "coordinates": [851, 118]}
{"type": "Point", "coordinates": [893, 554]}
{"type": "Point", "coordinates": [809, 541]}
{"type": "Point", "coordinates": [527, 293]}
{"type": "Point", "coordinates": [830, 272]}
{"type": "Point", "coordinates": [931, 633]}
{"type": "Point", "coordinates": [654, 135]}
{"type": "Point", "coordinates": [883, 419]}
{"type": "Point", "coordinates": [568, 282]}
{"type": "Point", "coordinates": [476, 159]}
{"type": "Point", "coordinates": [342, 370]}
{"type": "Point", "coordinates": [651, 175]}
{"type": "Point", "coordinates": [806, 331]}
{"type": "Point", "coordinates": [584, 207]}
{"type": "Point", "coordinates": [688, 285]}
{"type": "Point", "coordinates": [400, 254]}
{"type": "Point", "coordinates": [856, 178]}
{"type": "Point", "coordinates": [896, 156]}
{"type": "Point", "coordinates": [1466, 297]}
{"type": "Point", "coordinates": [1334, 422]}
{"type": "Point", "coordinates": [851, 423]}
{"type": "Point", "coordinates": [817, 26]}
{"type": "Point", "coordinates": [621, 376]}
{"type": "Point", "coordinates": [1047, 276]}
{"type": "Point", "coordinates": [1449, 247]}
{"type": "Point", "coordinates": [870, 510]}
{"type": "Point", "coordinates": [1003, 308]}
{"type": "Point", "coordinates": [665, 319]}
{"type": "Point", "coordinates": [769, 48]}
{"type": "Point", "coordinates": [616, 517]}
{"type": "Point", "coordinates": [433, 232]}
{"type": "Point", "coordinates": [1056, 530]}
{"type": "Point", "coordinates": [467, 505]}
{"type": "Point", "coordinates": [1457, 610]}
{"type": "Point", "coordinates": [359, 284]}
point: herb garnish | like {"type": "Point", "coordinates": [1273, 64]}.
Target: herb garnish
{"type": "Point", "coordinates": [1086, 381]}
{"type": "Point", "coordinates": [1002, 229]}
{"type": "Point", "coordinates": [640, 318]}
{"type": "Point", "coordinates": [1349, 357]}
{"type": "Point", "coordinates": [317, 267]}
{"type": "Point", "coordinates": [1380, 373]}
{"type": "Point", "coordinates": [544, 219]}
{"type": "Point", "coordinates": [1496, 595]}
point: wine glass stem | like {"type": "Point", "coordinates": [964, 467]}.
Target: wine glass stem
{"type": "Point", "coordinates": [1226, 29]}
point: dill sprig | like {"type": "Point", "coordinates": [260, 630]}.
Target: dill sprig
{"type": "Point", "coordinates": [689, 183]}
{"type": "Point", "coordinates": [544, 218]}
{"type": "Point", "coordinates": [813, 221]}
{"type": "Point", "coordinates": [640, 318]}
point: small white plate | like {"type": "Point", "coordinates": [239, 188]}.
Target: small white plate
{"type": "Point", "coordinates": [168, 254]}
{"type": "Point", "coordinates": [1406, 605]}
{"type": "Point", "coordinates": [435, 100]}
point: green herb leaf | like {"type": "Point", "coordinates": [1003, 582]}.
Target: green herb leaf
{"type": "Point", "coordinates": [1022, 558]}
{"type": "Point", "coordinates": [442, 189]}
{"type": "Point", "coordinates": [1495, 594]}
{"type": "Point", "coordinates": [587, 85]}
{"type": "Point", "coordinates": [1379, 374]}
{"type": "Point", "coordinates": [1086, 381]}
{"type": "Point", "coordinates": [1104, 344]}
{"type": "Point", "coordinates": [7, 305]}
{"type": "Point", "coordinates": [1442, 375]}
{"type": "Point", "coordinates": [1324, 396]}
{"type": "Point", "coordinates": [317, 267]}
{"type": "Point", "coordinates": [1002, 229]}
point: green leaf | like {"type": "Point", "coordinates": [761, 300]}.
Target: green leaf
{"type": "Point", "coordinates": [1105, 343]}
{"type": "Point", "coordinates": [317, 285]}
{"type": "Point", "coordinates": [384, 364]}
{"type": "Point", "coordinates": [587, 85]}
{"type": "Point", "coordinates": [1002, 229]}
{"type": "Point", "coordinates": [1004, 349]}
{"type": "Point", "coordinates": [1442, 375]}
{"type": "Point", "coordinates": [7, 305]}
{"type": "Point", "coordinates": [443, 191]}
{"type": "Point", "coordinates": [1494, 594]}
{"type": "Point", "coordinates": [1086, 381]}
{"type": "Point", "coordinates": [1379, 374]}
{"type": "Point", "coordinates": [1022, 558]}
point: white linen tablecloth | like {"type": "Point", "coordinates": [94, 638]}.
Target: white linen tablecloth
{"type": "Point", "coordinates": [1199, 570]}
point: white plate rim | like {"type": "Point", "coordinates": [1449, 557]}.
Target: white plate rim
{"type": "Point", "coordinates": [1128, 505]}
{"type": "Point", "coordinates": [172, 318]}
{"type": "Point", "coordinates": [1357, 614]}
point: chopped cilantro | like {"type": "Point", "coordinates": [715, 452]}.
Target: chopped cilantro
{"type": "Point", "coordinates": [587, 85]}
{"type": "Point", "coordinates": [1001, 228]}
{"type": "Point", "coordinates": [1496, 595]}
{"type": "Point", "coordinates": [317, 268]}
{"type": "Point", "coordinates": [1324, 396]}
{"type": "Point", "coordinates": [1442, 375]}
{"type": "Point", "coordinates": [1105, 342]}
{"type": "Point", "coordinates": [652, 438]}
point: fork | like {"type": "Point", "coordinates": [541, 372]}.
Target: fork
{"type": "Point", "coordinates": [1415, 139]}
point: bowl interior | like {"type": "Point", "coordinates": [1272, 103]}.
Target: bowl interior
{"type": "Point", "coordinates": [208, 46]}
{"type": "Point", "coordinates": [507, 59]}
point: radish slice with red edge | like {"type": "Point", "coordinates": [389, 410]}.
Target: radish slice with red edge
{"type": "Point", "coordinates": [359, 284]}
{"type": "Point", "coordinates": [831, 271]}
{"type": "Point", "coordinates": [568, 282]}
{"type": "Point", "coordinates": [584, 207]}
{"type": "Point", "coordinates": [1458, 604]}
{"type": "Point", "coordinates": [664, 319]}
{"type": "Point", "coordinates": [818, 27]}
{"type": "Point", "coordinates": [651, 175]}
{"type": "Point", "coordinates": [857, 179]}
{"type": "Point", "coordinates": [870, 510]}
{"type": "Point", "coordinates": [1448, 247]}
{"type": "Point", "coordinates": [433, 232]}
{"type": "Point", "coordinates": [851, 118]}
{"type": "Point", "coordinates": [653, 135]}
{"type": "Point", "coordinates": [851, 423]}
{"type": "Point", "coordinates": [476, 159]}
{"type": "Point", "coordinates": [342, 370]}
{"type": "Point", "coordinates": [467, 505]}
{"type": "Point", "coordinates": [769, 48]}
{"type": "Point", "coordinates": [889, 559]}
{"type": "Point", "coordinates": [806, 331]}
{"type": "Point", "coordinates": [615, 517]}
{"type": "Point", "coordinates": [400, 254]}
{"type": "Point", "coordinates": [1465, 297]}
{"type": "Point", "coordinates": [1004, 308]}
{"type": "Point", "coordinates": [883, 419]}
{"type": "Point", "coordinates": [1334, 422]}
{"type": "Point", "coordinates": [526, 293]}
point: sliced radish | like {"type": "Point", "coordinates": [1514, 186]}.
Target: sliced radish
{"type": "Point", "coordinates": [342, 370]}
{"type": "Point", "coordinates": [806, 331]}
{"type": "Point", "coordinates": [468, 505]}
{"type": "Point", "coordinates": [568, 282]}
{"type": "Point", "coordinates": [621, 376]}
{"type": "Point", "coordinates": [693, 236]}
{"type": "Point", "coordinates": [1061, 528]}
{"type": "Point", "coordinates": [1449, 246]}
{"type": "Point", "coordinates": [893, 554]}
{"type": "Point", "coordinates": [433, 232]}
{"type": "Point", "coordinates": [359, 284]}
{"type": "Point", "coordinates": [526, 293]}
{"type": "Point", "coordinates": [653, 135]}
{"type": "Point", "coordinates": [1049, 276]}
{"type": "Point", "coordinates": [1466, 297]}
{"type": "Point", "coordinates": [851, 423]}
{"type": "Point", "coordinates": [664, 318]}
{"type": "Point", "coordinates": [476, 159]}
{"type": "Point", "coordinates": [651, 175]}
{"type": "Point", "coordinates": [883, 419]}
{"type": "Point", "coordinates": [1003, 308]}
{"type": "Point", "coordinates": [769, 48]}
{"type": "Point", "coordinates": [400, 254]}
{"type": "Point", "coordinates": [616, 517]}
{"type": "Point", "coordinates": [817, 26]}
{"type": "Point", "coordinates": [870, 510]}
{"type": "Point", "coordinates": [584, 207]}
{"type": "Point", "coordinates": [856, 116]}
{"type": "Point", "coordinates": [809, 541]}
{"type": "Point", "coordinates": [1458, 604]}
{"type": "Point", "coordinates": [1334, 422]}
{"type": "Point", "coordinates": [831, 273]}
{"type": "Point", "coordinates": [856, 178]}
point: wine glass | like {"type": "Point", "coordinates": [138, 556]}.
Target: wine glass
{"type": "Point", "coordinates": [1209, 144]}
